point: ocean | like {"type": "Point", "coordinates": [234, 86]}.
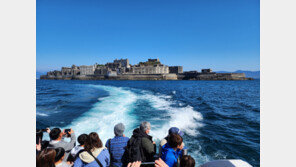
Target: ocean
{"type": "Point", "coordinates": [220, 119]}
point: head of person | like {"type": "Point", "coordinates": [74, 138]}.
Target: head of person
{"type": "Point", "coordinates": [81, 139]}
{"type": "Point", "coordinates": [145, 127]}
{"type": "Point", "coordinates": [55, 134]}
{"type": "Point", "coordinates": [46, 158]}
{"type": "Point", "coordinates": [175, 141]}
{"type": "Point", "coordinates": [175, 130]}
{"type": "Point", "coordinates": [187, 161]}
{"type": "Point", "coordinates": [119, 129]}
{"type": "Point", "coordinates": [60, 154]}
{"type": "Point", "coordinates": [93, 141]}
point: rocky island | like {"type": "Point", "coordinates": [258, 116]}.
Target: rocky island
{"type": "Point", "coordinates": [150, 70]}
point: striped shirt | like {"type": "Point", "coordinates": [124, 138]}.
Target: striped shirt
{"type": "Point", "coordinates": [116, 149]}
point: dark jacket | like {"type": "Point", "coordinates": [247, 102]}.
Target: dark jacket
{"type": "Point", "coordinates": [146, 144]}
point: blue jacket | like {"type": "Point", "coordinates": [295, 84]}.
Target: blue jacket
{"type": "Point", "coordinates": [169, 155]}
{"type": "Point", "coordinates": [86, 160]}
{"type": "Point", "coordinates": [116, 149]}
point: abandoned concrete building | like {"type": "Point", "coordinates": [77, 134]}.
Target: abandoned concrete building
{"type": "Point", "coordinates": [176, 69]}
{"type": "Point", "coordinates": [101, 70]}
{"type": "Point", "coordinates": [152, 66]}
{"type": "Point", "coordinates": [87, 70]}
{"type": "Point", "coordinates": [122, 62]}
{"type": "Point", "coordinates": [207, 70]}
{"type": "Point", "coordinates": [155, 69]}
{"type": "Point", "coordinates": [54, 73]}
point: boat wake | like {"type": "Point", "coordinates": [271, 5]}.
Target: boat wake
{"type": "Point", "coordinates": [107, 112]}
{"type": "Point", "coordinates": [122, 106]}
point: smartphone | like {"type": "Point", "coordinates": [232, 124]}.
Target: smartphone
{"type": "Point", "coordinates": [67, 131]}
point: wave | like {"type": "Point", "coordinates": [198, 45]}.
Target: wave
{"type": "Point", "coordinates": [119, 107]}
{"type": "Point", "coordinates": [41, 114]}
{"type": "Point", "coordinates": [107, 112]}
{"type": "Point", "coordinates": [183, 117]}
{"type": "Point", "coordinates": [175, 114]}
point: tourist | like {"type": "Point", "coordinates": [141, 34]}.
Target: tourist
{"type": "Point", "coordinates": [75, 151]}
{"type": "Point", "coordinates": [116, 145]}
{"type": "Point", "coordinates": [187, 161]}
{"type": "Point", "coordinates": [95, 154]}
{"type": "Point", "coordinates": [59, 157]}
{"type": "Point", "coordinates": [172, 150]}
{"type": "Point", "coordinates": [41, 144]}
{"type": "Point", "coordinates": [57, 140]}
{"type": "Point", "coordinates": [46, 158]}
{"type": "Point", "coordinates": [141, 147]}
{"type": "Point", "coordinates": [172, 130]}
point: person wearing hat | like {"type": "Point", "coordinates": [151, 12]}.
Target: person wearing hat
{"type": "Point", "coordinates": [172, 130]}
{"type": "Point", "coordinates": [116, 145]}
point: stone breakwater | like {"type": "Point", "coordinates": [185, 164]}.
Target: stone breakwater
{"type": "Point", "coordinates": [186, 76]}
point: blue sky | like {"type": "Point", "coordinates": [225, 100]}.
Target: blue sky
{"type": "Point", "coordinates": [217, 34]}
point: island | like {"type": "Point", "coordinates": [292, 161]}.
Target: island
{"type": "Point", "coordinates": [121, 69]}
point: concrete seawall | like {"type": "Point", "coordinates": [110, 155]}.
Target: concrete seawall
{"type": "Point", "coordinates": [118, 77]}
{"type": "Point", "coordinates": [222, 76]}
{"type": "Point", "coordinates": [198, 76]}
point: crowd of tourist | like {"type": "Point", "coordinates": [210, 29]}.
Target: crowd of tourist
{"type": "Point", "coordinates": [119, 151]}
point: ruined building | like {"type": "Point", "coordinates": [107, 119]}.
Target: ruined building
{"type": "Point", "coordinates": [87, 70]}
{"type": "Point", "coordinates": [152, 66]}
{"type": "Point", "coordinates": [176, 69]}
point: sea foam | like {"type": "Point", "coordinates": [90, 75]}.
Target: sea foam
{"type": "Point", "coordinates": [107, 112]}
{"type": "Point", "coordinates": [119, 105]}
{"type": "Point", "coordinates": [41, 114]}
{"type": "Point", "coordinates": [185, 118]}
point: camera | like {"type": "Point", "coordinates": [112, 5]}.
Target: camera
{"type": "Point", "coordinates": [67, 132]}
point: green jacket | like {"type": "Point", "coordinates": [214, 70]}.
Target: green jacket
{"type": "Point", "coordinates": [146, 144]}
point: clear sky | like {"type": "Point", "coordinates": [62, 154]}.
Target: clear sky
{"type": "Point", "coordinates": [217, 34]}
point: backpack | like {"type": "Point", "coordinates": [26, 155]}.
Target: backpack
{"type": "Point", "coordinates": [133, 151]}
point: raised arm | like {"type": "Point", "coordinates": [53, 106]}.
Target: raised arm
{"type": "Point", "coordinates": [71, 144]}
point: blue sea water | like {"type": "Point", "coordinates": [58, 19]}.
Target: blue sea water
{"type": "Point", "coordinates": [220, 119]}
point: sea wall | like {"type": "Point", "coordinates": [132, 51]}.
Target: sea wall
{"type": "Point", "coordinates": [118, 77]}
{"type": "Point", "coordinates": [221, 76]}
{"type": "Point", "coordinates": [190, 76]}
{"type": "Point", "coordinates": [143, 77]}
